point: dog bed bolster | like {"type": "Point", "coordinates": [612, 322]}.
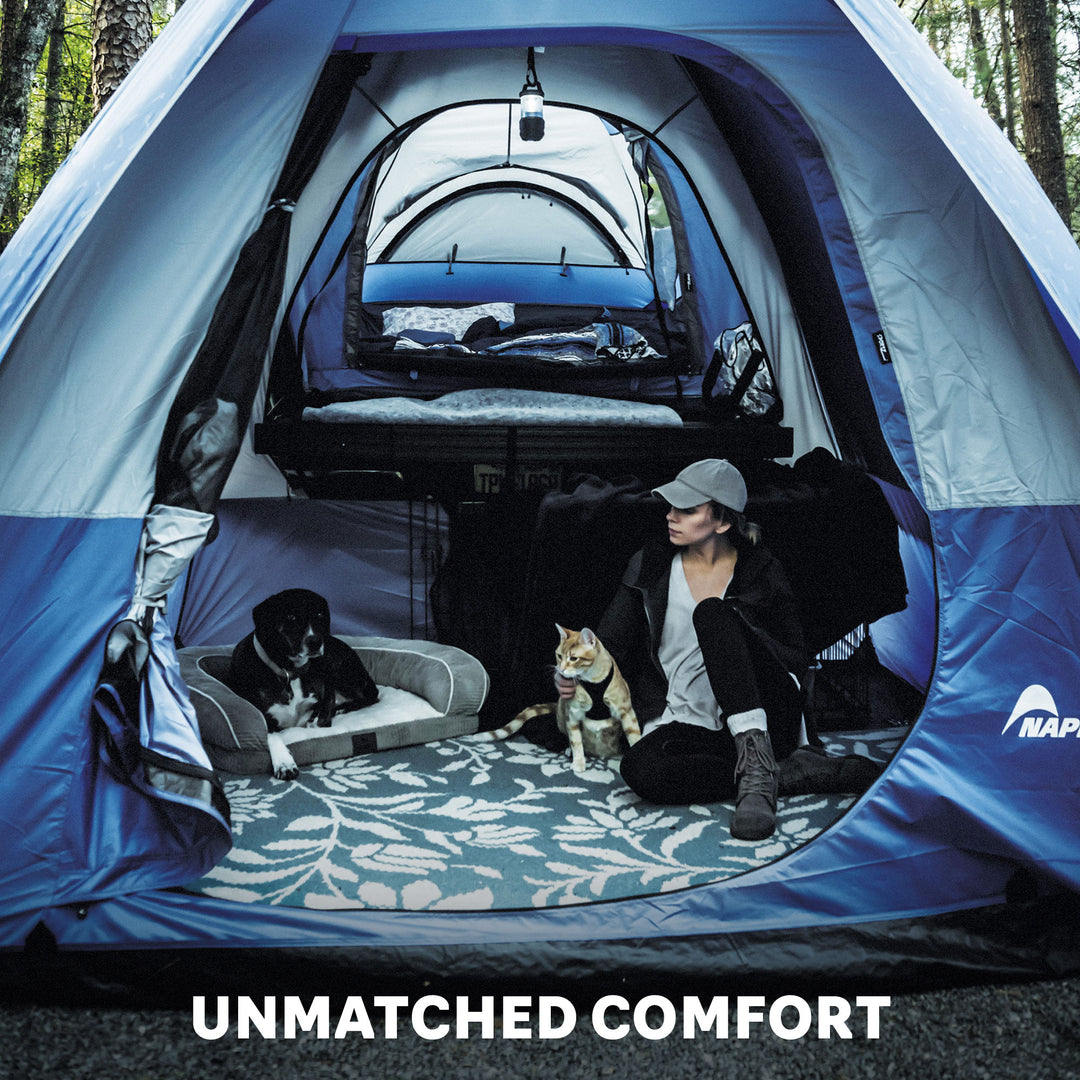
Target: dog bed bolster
{"type": "Point", "coordinates": [428, 691]}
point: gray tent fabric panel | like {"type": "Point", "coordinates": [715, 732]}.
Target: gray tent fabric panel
{"type": "Point", "coordinates": [151, 245]}
{"type": "Point", "coordinates": [212, 408]}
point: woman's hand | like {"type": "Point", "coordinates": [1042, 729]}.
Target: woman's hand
{"type": "Point", "coordinates": [566, 687]}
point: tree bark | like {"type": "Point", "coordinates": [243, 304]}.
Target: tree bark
{"type": "Point", "coordinates": [1008, 90]}
{"type": "Point", "coordinates": [27, 45]}
{"type": "Point", "coordinates": [13, 10]}
{"type": "Point", "coordinates": [50, 120]}
{"type": "Point", "coordinates": [1036, 63]}
{"type": "Point", "coordinates": [121, 34]}
{"type": "Point", "coordinates": [983, 66]}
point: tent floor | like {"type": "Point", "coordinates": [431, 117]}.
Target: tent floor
{"type": "Point", "coordinates": [465, 825]}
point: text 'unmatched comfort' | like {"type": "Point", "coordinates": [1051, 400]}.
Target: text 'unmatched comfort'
{"type": "Point", "coordinates": [542, 1017]}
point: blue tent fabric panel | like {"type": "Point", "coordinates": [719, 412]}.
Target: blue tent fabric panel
{"type": "Point", "coordinates": [522, 284]}
{"type": "Point", "coordinates": [370, 560]}
{"type": "Point", "coordinates": [57, 611]}
{"type": "Point", "coordinates": [74, 830]}
{"type": "Point", "coordinates": [317, 308]}
{"type": "Point", "coordinates": [720, 302]}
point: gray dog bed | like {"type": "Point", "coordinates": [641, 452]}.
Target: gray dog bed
{"type": "Point", "coordinates": [427, 691]}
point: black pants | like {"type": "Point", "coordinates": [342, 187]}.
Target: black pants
{"type": "Point", "coordinates": [678, 763]}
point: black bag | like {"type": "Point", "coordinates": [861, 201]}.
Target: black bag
{"type": "Point", "coordinates": [739, 381]}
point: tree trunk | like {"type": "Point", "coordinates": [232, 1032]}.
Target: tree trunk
{"type": "Point", "coordinates": [1008, 90]}
{"type": "Point", "coordinates": [27, 45]}
{"type": "Point", "coordinates": [13, 10]}
{"type": "Point", "coordinates": [1036, 62]}
{"type": "Point", "coordinates": [983, 67]}
{"type": "Point", "coordinates": [50, 120]}
{"type": "Point", "coordinates": [122, 33]}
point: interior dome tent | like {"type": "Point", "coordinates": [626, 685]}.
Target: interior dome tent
{"type": "Point", "coordinates": [912, 290]}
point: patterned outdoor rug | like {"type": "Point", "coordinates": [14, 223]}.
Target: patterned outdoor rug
{"type": "Point", "coordinates": [466, 825]}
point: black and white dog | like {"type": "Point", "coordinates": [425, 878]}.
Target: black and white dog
{"type": "Point", "coordinates": [295, 672]}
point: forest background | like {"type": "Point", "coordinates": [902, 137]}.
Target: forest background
{"type": "Point", "coordinates": [60, 60]}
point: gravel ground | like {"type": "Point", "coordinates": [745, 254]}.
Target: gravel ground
{"type": "Point", "coordinates": [1021, 1031]}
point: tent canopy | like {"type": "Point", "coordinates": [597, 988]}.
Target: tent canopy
{"type": "Point", "coordinates": [911, 284]}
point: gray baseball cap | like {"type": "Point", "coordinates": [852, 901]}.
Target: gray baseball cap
{"type": "Point", "coordinates": [711, 480]}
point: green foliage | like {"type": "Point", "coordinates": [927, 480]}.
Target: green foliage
{"type": "Point", "coordinates": [71, 94]}
{"type": "Point", "coordinates": [975, 40]}
{"type": "Point", "coordinates": [972, 37]}
{"type": "Point", "coordinates": [69, 91]}
{"type": "Point", "coordinates": [654, 200]}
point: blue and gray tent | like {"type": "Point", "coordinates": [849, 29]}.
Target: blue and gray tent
{"type": "Point", "coordinates": [243, 204]}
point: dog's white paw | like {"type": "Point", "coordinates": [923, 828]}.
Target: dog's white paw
{"type": "Point", "coordinates": [287, 771]}
{"type": "Point", "coordinates": [284, 764]}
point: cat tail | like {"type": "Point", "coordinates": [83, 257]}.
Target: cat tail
{"type": "Point", "coordinates": [512, 727]}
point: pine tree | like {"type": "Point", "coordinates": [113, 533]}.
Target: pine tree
{"type": "Point", "coordinates": [1036, 63]}
{"type": "Point", "coordinates": [123, 30]}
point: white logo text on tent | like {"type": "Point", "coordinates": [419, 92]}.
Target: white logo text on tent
{"type": "Point", "coordinates": [1038, 716]}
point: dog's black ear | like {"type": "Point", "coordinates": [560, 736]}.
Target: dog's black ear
{"type": "Point", "coordinates": [264, 609]}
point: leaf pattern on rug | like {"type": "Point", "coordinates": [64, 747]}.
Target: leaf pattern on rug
{"type": "Point", "coordinates": [465, 825]}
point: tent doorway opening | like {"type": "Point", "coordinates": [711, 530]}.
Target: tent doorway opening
{"type": "Point", "coordinates": [491, 350]}
{"type": "Point", "coordinates": [453, 823]}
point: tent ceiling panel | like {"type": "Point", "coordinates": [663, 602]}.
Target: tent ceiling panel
{"type": "Point", "coordinates": [544, 231]}
{"type": "Point", "coordinates": [577, 148]}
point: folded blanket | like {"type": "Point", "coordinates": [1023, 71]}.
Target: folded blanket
{"type": "Point", "coordinates": [591, 344]}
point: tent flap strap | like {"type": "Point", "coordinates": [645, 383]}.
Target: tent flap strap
{"type": "Point", "coordinates": [118, 701]}
{"type": "Point", "coordinates": [169, 777]}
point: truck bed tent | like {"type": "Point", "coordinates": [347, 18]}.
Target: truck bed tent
{"type": "Point", "coordinates": [176, 291]}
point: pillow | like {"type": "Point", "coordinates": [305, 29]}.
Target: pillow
{"type": "Point", "coordinates": [427, 691]}
{"type": "Point", "coordinates": [445, 320]}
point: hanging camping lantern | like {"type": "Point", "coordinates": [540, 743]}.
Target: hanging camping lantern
{"type": "Point", "coordinates": [531, 123]}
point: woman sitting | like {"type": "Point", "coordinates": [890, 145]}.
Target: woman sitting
{"type": "Point", "coordinates": [704, 629]}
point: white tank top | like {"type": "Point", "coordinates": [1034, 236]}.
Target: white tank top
{"type": "Point", "coordinates": [689, 698]}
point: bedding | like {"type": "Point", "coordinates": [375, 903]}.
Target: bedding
{"type": "Point", "coordinates": [451, 321]}
{"type": "Point", "coordinates": [596, 343]}
{"type": "Point", "coordinates": [497, 406]}
{"type": "Point", "coordinates": [427, 691]}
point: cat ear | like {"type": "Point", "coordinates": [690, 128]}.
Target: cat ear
{"type": "Point", "coordinates": [588, 638]}
{"type": "Point", "coordinates": [563, 634]}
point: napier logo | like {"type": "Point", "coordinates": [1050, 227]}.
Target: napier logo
{"type": "Point", "coordinates": [1038, 717]}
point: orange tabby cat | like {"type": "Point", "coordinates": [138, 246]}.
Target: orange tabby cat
{"type": "Point", "coordinates": [581, 656]}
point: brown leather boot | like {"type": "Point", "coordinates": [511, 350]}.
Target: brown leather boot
{"type": "Point", "coordinates": [756, 787]}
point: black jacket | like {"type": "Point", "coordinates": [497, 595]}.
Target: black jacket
{"type": "Point", "coordinates": [634, 620]}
